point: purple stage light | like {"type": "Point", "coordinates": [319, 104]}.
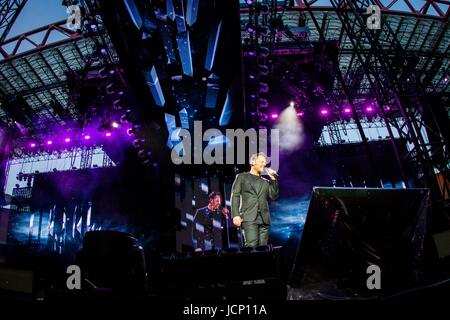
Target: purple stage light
{"type": "Point", "coordinates": [249, 2]}
{"type": "Point", "coordinates": [300, 114]}
{"type": "Point", "coordinates": [49, 142]}
{"type": "Point", "coordinates": [108, 134]}
{"type": "Point", "coordinates": [115, 125]}
{"type": "Point", "coordinates": [112, 71]}
{"type": "Point", "coordinates": [323, 111]}
{"type": "Point", "coordinates": [446, 79]}
{"type": "Point", "coordinates": [274, 115]}
{"type": "Point", "coordinates": [130, 131]}
{"type": "Point", "coordinates": [32, 144]}
{"type": "Point", "coordinates": [369, 109]}
{"type": "Point", "coordinates": [87, 137]}
{"type": "Point", "coordinates": [347, 110]}
{"type": "Point", "coordinates": [387, 108]}
{"type": "Point", "coordinates": [103, 50]}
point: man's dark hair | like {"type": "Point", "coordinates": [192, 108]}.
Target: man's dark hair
{"type": "Point", "coordinates": [213, 194]}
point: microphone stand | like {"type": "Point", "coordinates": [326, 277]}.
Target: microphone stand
{"type": "Point", "coordinates": [227, 232]}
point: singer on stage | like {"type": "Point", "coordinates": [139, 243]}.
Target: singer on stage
{"type": "Point", "coordinates": [210, 227]}
{"type": "Point", "coordinates": [249, 205]}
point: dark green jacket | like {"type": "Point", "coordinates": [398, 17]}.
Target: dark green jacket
{"type": "Point", "coordinates": [245, 199]}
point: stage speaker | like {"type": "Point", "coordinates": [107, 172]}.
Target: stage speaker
{"type": "Point", "coordinates": [252, 273]}
{"type": "Point", "coordinates": [113, 260]}
{"type": "Point", "coordinates": [349, 229]}
{"type": "Point", "coordinates": [442, 242]}
{"type": "Point", "coordinates": [16, 280]}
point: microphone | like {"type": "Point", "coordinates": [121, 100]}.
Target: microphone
{"type": "Point", "coordinates": [274, 173]}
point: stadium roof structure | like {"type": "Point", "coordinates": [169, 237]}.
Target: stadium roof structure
{"type": "Point", "coordinates": [422, 30]}
{"type": "Point", "coordinates": [34, 68]}
{"type": "Point", "coordinates": [33, 75]}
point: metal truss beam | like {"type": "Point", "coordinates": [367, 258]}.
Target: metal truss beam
{"type": "Point", "coordinates": [25, 40]}
{"type": "Point", "coordinates": [9, 11]}
{"type": "Point", "coordinates": [434, 9]}
{"type": "Point", "coordinates": [399, 92]}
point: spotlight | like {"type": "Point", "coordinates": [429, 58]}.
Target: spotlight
{"type": "Point", "coordinates": [103, 50]}
{"type": "Point", "coordinates": [116, 104]}
{"type": "Point", "coordinates": [103, 72]}
{"type": "Point", "coordinates": [126, 117]}
{"type": "Point", "coordinates": [263, 117]}
{"type": "Point", "coordinates": [138, 143]}
{"type": "Point", "coordinates": [49, 142]}
{"type": "Point", "coordinates": [323, 111]}
{"type": "Point", "coordinates": [249, 2]}
{"type": "Point", "coordinates": [87, 137]}
{"type": "Point", "coordinates": [446, 79]}
{"type": "Point", "coordinates": [274, 115]}
{"type": "Point", "coordinates": [115, 125]}
{"type": "Point", "coordinates": [263, 70]}
{"type": "Point", "coordinates": [264, 52]}
{"type": "Point", "coordinates": [263, 103]}
{"type": "Point", "coordinates": [142, 154]}
{"type": "Point", "coordinates": [67, 140]}
{"type": "Point", "coordinates": [387, 108]}
{"type": "Point", "coordinates": [300, 114]}
{"type": "Point", "coordinates": [292, 104]}
{"type": "Point", "coordinates": [263, 87]}
{"type": "Point", "coordinates": [134, 130]}
{"type": "Point", "coordinates": [369, 109]}
{"type": "Point", "coordinates": [347, 110]}
{"type": "Point", "coordinates": [32, 144]}
{"type": "Point", "coordinates": [108, 134]}
{"type": "Point", "coordinates": [110, 88]}
{"type": "Point", "coordinates": [137, 128]}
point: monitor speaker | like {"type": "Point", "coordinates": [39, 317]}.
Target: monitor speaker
{"type": "Point", "coordinates": [349, 229]}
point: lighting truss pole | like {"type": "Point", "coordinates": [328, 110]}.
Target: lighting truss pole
{"type": "Point", "coordinates": [399, 93]}
{"type": "Point", "coordinates": [87, 154]}
{"type": "Point", "coordinates": [348, 96]}
{"type": "Point", "coordinates": [9, 11]}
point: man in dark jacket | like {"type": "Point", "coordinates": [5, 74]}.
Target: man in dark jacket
{"type": "Point", "coordinates": [210, 228]}
{"type": "Point", "coordinates": [249, 204]}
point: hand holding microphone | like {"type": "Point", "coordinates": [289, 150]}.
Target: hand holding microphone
{"type": "Point", "coordinates": [272, 173]}
{"type": "Point", "coordinates": [224, 211]}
